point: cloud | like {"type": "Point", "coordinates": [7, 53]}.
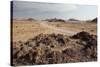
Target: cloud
{"type": "Point", "coordinates": [58, 7]}
{"type": "Point", "coordinates": [23, 9]}
{"type": "Point", "coordinates": [53, 7]}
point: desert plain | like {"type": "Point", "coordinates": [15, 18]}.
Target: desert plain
{"type": "Point", "coordinates": [24, 29]}
{"type": "Point", "coordinates": [42, 42]}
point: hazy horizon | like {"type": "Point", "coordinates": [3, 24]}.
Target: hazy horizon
{"type": "Point", "coordinates": [39, 10]}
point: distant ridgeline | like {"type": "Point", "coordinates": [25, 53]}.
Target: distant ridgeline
{"type": "Point", "coordinates": [55, 20]}
{"type": "Point", "coordinates": [72, 19]}
{"type": "Point", "coordinates": [94, 20]}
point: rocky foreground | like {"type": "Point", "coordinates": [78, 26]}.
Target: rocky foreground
{"type": "Point", "coordinates": [54, 49]}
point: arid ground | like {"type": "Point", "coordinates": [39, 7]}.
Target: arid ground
{"type": "Point", "coordinates": [24, 30]}
{"type": "Point", "coordinates": [42, 42]}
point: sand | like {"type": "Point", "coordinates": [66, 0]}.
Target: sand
{"type": "Point", "coordinates": [22, 30]}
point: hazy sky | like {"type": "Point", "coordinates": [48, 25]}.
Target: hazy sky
{"type": "Point", "coordinates": [22, 9]}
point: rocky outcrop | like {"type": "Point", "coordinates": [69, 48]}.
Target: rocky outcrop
{"type": "Point", "coordinates": [55, 48]}
{"type": "Point", "coordinates": [94, 20]}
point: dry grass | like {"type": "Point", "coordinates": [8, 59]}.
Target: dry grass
{"type": "Point", "coordinates": [89, 27]}
{"type": "Point", "coordinates": [24, 30]}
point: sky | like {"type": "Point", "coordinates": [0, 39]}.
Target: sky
{"type": "Point", "coordinates": [40, 10]}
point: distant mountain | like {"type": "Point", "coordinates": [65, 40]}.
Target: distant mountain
{"type": "Point", "coordinates": [31, 19]}
{"type": "Point", "coordinates": [55, 20]}
{"type": "Point", "coordinates": [72, 19]}
{"type": "Point", "coordinates": [94, 20]}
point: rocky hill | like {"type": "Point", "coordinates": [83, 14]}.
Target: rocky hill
{"type": "Point", "coordinates": [55, 48]}
{"type": "Point", "coordinates": [94, 20]}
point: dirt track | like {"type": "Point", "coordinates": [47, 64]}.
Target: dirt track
{"type": "Point", "coordinates": [24, 30]}
{"type": "Point", "coordinates": [58, 30]}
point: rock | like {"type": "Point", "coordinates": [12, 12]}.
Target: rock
{"type": "Point", "coordinates": [55, 48]}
